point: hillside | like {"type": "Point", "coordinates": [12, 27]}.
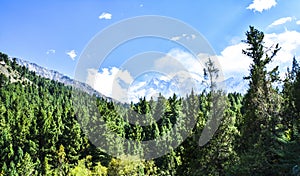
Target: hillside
{"type": "Point", "coordinates": [48, 128]}
{"type": "Point", "coordinates": [56, 76]}
{"type": "Point", "coordinates": [12, 75]}
{"type": "Point", "coordinates": [51, 128]}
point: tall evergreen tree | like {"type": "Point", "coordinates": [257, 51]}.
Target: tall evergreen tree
{"type": "Point", "coordinates": [261, 107]}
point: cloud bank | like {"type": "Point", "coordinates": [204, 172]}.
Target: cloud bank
{"type": "Point", "coordinates": [111, 82]}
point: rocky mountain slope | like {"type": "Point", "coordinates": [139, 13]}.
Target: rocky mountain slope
{"type": "Point", "coordinates": [56, 76]}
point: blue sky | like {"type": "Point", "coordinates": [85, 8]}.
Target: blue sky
{"type": "Point", "coordinates": [54, 33]}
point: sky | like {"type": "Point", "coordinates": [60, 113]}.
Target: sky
{"type": "Point", "coordinates": [55, 33]}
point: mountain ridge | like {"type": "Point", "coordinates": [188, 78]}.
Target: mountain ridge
{"type": "Point", "coordinates": [232, 84]}
{"type": "Point", "coordinates": [57, 76]}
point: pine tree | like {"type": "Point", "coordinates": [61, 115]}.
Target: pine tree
{"type": "Point", "coordinates": [289, 110]}
{"type": "Point", "coordinates": [261, 107]}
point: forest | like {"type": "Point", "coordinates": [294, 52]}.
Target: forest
{"type": "Point", "coordinates": [46, 127]}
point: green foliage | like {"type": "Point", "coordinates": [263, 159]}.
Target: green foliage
{"type": "Point", "coordinates": [258, 133]}
{"type": "Point", "coordinates": [80, 169]}
{"type": "Point", "coordinates": [85, 168]}
{"type": "Point", "coordinates": [100, 170]}
{"type": "Point", "coordinates": [131, 166]}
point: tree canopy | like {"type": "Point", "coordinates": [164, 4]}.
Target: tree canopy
{"type": "Point", "coordinates": [47, 127]}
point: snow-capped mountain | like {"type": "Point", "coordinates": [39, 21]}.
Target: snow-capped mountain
{"type": "Point", "coordinates": [234, 84]}
{"type": "Point", "coordinates": [151, 88]}
{"type": "Point", "coordinates": [167, 87]}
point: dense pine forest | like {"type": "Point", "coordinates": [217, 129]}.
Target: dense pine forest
{"type": "Point", "coordinates": [46, 127]}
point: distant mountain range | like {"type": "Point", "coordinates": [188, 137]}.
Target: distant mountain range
{"type": "Point", "coordinates": [148, 88]}
{"type": "Point", "coordinates": [236, 84]}
{"type": "Point", "coordinates": [56, 76]}
{"type": "Point", "coordinates": [153, 86]}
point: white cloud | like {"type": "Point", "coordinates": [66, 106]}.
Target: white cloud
{"type": "Point", "coordinates": [183, 36]}
{"type": "Point", "coordinates": [184, 69]}
{"type": "Point", "coordinates": [261, 5]}
{"type": "Point", "coordinates": [280, 21]}
{"type": "Point", "coordinates": [50, 51]}
{"type": "Point", "coordinates": [178, 60]}
{"type": "Point", "coordinates": [105, 15]}
{"type": "Point", "coordinates": [289, 41]}
{"type": "Point", "coordinates": [72, 54]}
{"type": "Point", "coordinates": [111, 82]}
{"type": "Point", "coordinates": [183, 65]}
{"type": "Point", "coordinates": [234, 63]}
{"type": "Point", "coordinates": [298, 22]}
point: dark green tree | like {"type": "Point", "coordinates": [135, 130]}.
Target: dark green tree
{"type": "Point", "coordinates": [261, 108]}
